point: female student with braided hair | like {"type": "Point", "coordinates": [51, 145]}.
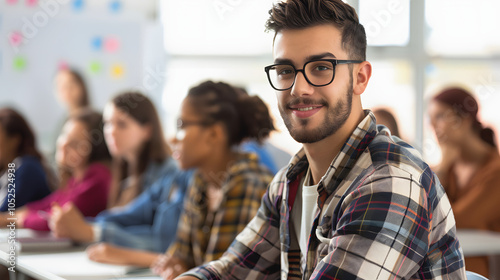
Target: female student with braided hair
{"type": "Point", "coordinates": [470, 168]}
{"type": "Point", "coordinates": [227, 187]}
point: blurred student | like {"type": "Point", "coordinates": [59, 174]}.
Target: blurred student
{"type": "Point", "coordinates": [83, 158]}
{"type": "Point", "coordinates": [142, 165]}
{"type": "Point", "coordinates": [470, 166]}
{"type": "Point", "coordinates": [269, 155]}
{"type": "Point", "coordinates": [229, 184]}
{"type": "Point", "coordinates": [24, 174]}
{"type": "Point", "coordinates": [71, 91]}
{"type": "Point", "coordinates": [135, 139]}
{"type": "Point", "coordinates": [386, 118]}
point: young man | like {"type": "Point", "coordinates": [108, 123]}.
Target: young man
{"type": "Point", "coordinates": [354, 203]}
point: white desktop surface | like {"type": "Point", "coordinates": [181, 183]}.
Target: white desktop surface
{"type": "Point", "coordinates": [479, 243]}
{"type": "Point", "coordinates": [67, 264]}
{"type": "Point", "coordinates": [71, 265]}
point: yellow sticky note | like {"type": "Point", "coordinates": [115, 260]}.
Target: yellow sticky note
{"type": "Point", "coordinates": [117, 70]}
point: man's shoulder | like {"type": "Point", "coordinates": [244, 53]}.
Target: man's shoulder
{"type": "Point", "coordinates": [391, 153]}
{"type": "Point", "coordinates": [391, 158]}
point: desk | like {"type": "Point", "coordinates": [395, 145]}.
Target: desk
{"type": "Point", "coordinates": [482, 243]}
{"type": "Point", "coordinates": [67, 264]}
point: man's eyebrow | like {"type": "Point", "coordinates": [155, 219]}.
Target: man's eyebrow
{"type": "Point", "coordinates": [309, 58]}
{"type": "Point", "coordinates": [283, 61]}
{"type": "Point", "coordinates": [320, 56]}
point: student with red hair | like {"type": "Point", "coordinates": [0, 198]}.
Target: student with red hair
{"type": "Point", "coordinates": [470, 168]}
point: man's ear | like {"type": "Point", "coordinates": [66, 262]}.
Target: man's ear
{"type": "Point", "coordinates": [362, 74]}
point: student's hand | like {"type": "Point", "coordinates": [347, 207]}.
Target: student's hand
{"type": "Point", "coordinates": [168, 267]}
{"type": "Point", "coordinates": [19, 215]}
{"type": "Point", "coordinates": [159, 264]}
{"type": "Point", "coordinates": [68, 221]}
{"type": "Point", "coordinates": [106, 253]}
{"type": "Point", "coordinates": [450, 155]}
{"type": "Point", "coordinates": [3, 219]}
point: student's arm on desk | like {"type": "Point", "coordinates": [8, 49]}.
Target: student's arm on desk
{"type": "Point", "coordinates": [186, 278]}
{"type": "Point", "coordinates": [68, 221]}
{"type": "Point", "coordinates": [107, 253]}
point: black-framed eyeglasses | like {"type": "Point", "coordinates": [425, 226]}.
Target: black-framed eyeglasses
{"type": "Point", "coordinates": [182, 124]}
{"type": "Point", "coordinates": [318, 73]}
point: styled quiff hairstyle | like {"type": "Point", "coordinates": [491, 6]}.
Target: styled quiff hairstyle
{"type": "Point", "coordinates": [299, 14]}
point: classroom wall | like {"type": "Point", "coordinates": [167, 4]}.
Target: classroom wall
{"type": "Point", "coordinates": [115, 44]}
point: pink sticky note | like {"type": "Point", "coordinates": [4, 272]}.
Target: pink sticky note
{"type": "Point", "coordinates": [15, 38]}
{"type": "Point", "coordinates": [111, 44]}
{"type": "Point", "coordinates": [63, 65]}
{"type": "Point", "coordinates": [31, 3]}
{"type": "Point", "coordinates": [11, 2]}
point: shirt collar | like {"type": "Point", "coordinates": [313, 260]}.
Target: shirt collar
{"type": "Point", "coordinates": [344, 161]}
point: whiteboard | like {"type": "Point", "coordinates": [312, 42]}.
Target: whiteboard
{"type": "Point", "coordinates": [111, 47]}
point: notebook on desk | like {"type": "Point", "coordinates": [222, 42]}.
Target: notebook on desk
{"type": "Point", "coordinates": [76, 265]}
{"type": "Point", "coordinates": [28, 240]}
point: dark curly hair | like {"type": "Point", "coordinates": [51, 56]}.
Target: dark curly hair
{"type": "Point", "coordinates": [244, 117]}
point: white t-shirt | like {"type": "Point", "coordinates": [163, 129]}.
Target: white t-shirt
{"type": "Point", "coordinates": [304, 210]}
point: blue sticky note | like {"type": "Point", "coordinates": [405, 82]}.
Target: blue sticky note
{"type": "Point", "coordinates": [96, 43]}
{"type": "Point", "coordinates": [115, 6]}
{"type": "Point", "coordinates": [78, 5]}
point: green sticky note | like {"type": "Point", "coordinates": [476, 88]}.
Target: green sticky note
{"type": "Point", "coordinates": [95, 67]}
{"type": "Point", "coordinates": [19, 63]}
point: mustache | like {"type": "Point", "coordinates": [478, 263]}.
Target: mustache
{"type": "Point", "coordinates": [306, 101]}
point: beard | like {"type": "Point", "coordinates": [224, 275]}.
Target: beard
{"type": "Point", "coordinates": [335, 118]}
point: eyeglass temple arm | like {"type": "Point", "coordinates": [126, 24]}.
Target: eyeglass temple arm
{"type": "Point", "coordinates": [348, 61]}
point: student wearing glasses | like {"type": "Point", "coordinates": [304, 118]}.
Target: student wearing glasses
{"type": "Point", "coordinates": [354, 203]}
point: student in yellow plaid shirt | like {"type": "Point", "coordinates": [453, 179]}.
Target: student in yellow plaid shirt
{"type": "Point", "coordinates": [228, 187]}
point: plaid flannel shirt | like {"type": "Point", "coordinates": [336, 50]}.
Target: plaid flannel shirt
{"type": "Point", "coordinates": [382, 214]}
{"type": "Point", "coordinates": [198, 240]}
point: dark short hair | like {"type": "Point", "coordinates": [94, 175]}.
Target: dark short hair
{"type": "Point", "coordinates": [299, 14]}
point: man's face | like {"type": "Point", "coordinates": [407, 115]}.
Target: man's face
{"type": "Point", "coordinates": [313, 113]}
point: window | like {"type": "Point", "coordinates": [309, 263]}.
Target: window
{"type": "Point", "coordinates": [386, 22]}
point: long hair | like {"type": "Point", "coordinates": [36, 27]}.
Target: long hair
{"type": "Point", "coordinates": [15, 125]}
{"type": "Point", "coordinates": [141, 109]}
{"type": "Point", "coordinates": [464, 105]}
{"type": "Point", "coordinates": [84, 100]}
{"type": "Point", "coordinates": [94, 133]}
